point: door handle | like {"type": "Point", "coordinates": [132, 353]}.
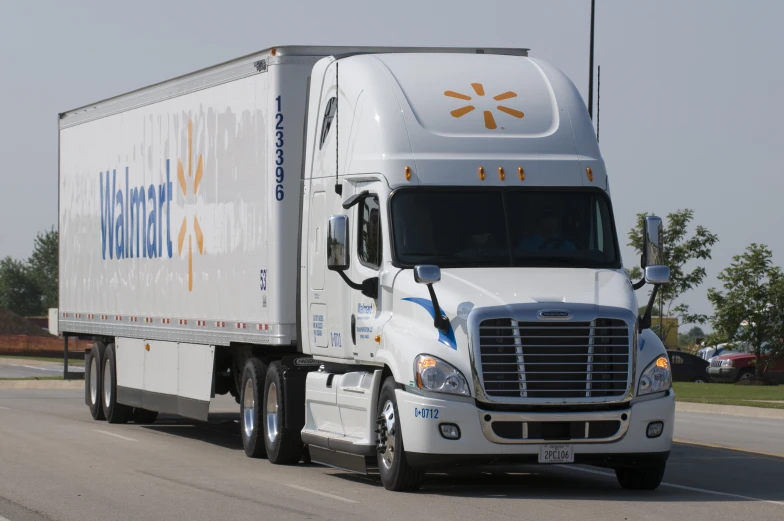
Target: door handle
{"type": "Point", "coordinates": [354, 329]}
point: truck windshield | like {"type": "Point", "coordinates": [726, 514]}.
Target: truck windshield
{"type": "Point", "coordinates": [461, 228]}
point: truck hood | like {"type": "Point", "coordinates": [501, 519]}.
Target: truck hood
{"type": "Point", "coordinates": [461, 290]}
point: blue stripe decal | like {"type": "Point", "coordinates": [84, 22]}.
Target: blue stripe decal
{"type": "Point", "coordinates": [447, 339]}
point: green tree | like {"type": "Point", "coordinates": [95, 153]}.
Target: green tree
{"type": "Point", "coordinates": [679, 248]}
{"type": "Point", "coordinates": [19, 291]}
{"type": "Point", "coordinates": [751, 310]}
{"type": "Point", "coordinates": [44, 266]}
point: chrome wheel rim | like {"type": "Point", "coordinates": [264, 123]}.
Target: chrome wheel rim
{"type": "Point", "coordinates": [272, 412]}
{"type": "Point", "coordinates": [248, 407]}
{"type": "Point", "coordinates": [388, 444]}
{"type": "Point", "coordinates": [747, 376]}
{"type": "Point", "coordinates": [93, 380]}
{"type": "Point", "coordinates": [107, 384]}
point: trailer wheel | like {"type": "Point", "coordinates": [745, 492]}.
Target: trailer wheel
{"type": "Point", "coordinates": [396, 473]}
{"type": "Point", "coordinates": [284, 446]}
{"type": "Point", "coordinates": [253, 377]}
{"type": "Point", "coordinates": [641, 478]}
{"type": "Point", "coordinates": [142, 416]}
{"type": "Point", "coordinates": [92, 381]}
{"type": "Point", "coordinates": [114, 412]}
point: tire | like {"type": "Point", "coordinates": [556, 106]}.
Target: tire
{"type": "Point", "coordinates": [252, 392]}
{"type": "Point", "coordinates": [92, 381]}
{"type": "Point", "coordinates": [700, 380]}
{"type": "Point", "coordinates": [114, 412]}
{"type": "Point", "coordinates": [142, 416]}
{"type": "Point", "coordinates": [284, 446]}
{"type": "Point", "coordinates": [396, 473]}
{"type": "Point", "coordinates": [747, 374]}
{"type": "Point", "coordinates": [641, 478]}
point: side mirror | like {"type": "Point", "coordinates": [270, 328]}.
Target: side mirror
{"type": "Point", "coordinates": [652, 253]}
{"type": "Point", "coordinates": [427, 274]}
{"type": "Point", "coordinates": [337, 243]}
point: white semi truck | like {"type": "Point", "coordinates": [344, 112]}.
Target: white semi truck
{"type": "Point", "coordinates": [389, 256]}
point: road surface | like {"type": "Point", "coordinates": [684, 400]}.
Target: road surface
{"type": "Point", "coordinates": [57, 463]}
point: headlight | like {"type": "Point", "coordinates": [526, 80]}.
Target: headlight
{"type": "Point", "coordinates": [656, 377]}
{"type": "Point", "coordinates": [433, 374]}
{"type": "Point", "coordinates": [727, 363]}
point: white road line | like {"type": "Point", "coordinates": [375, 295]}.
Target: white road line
{"type": "Point", "coordinates": [115, 435]}
{"type": "Point", "coordinates": [682, 487]}
{"type": "Point", "coordinates": [333, 496]}
{"type": "Point", "coordinates": [4, 519]}
{"type": "Point", "coordinates": [41, 368]}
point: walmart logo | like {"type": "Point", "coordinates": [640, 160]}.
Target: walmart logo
{"type": "Point", "coordinates": [133, 219]}
{"type": "Point", "coordinates": [488, 115]}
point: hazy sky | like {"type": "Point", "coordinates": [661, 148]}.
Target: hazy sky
{"type": "Point", "coordinates": [691, 90]}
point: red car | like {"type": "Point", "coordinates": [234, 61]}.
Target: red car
{"type": "Point", "coordinates": [733, 366]}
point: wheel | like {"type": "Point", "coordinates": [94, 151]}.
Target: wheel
{"type": "Point", "coordinates": [144, 415]}
{"type": "Point", "coordinates": [396, 473]}
{"type": "Point", "coordinates": [92, 381]}
{"type": "Point", "coordinates": [700, 380]}
{"type": "Point", "coordinates": [253, 377]}
{"type": "Point", "coordinates": [284, 446]}
{"type": "Point", "coordinates": [640, 478]}
{"type": "Point", "coordinates": [114, 412]}
{"type": "Point", "coordinates": [747, 374]}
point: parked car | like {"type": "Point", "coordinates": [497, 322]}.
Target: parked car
{"type": "Point", "coordinates": [731, 367]}
{"type": "Point", "coordinates": [687, 367]}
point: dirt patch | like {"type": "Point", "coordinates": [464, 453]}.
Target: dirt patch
{"type": "Point", "coordinates": [13, 324]}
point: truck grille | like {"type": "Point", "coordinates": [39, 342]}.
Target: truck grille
{"type": "Point", "coordinates": [554, 360]}
{"type": "Point", "coordinates": [715, 363]}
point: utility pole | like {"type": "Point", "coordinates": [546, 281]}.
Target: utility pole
{"type": "Point", "coordinates": [590, 60]}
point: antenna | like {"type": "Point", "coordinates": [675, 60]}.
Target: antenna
{"type": "Point", "coordinates": [590, 65]}
{"type": "Point", "coordinates": [338, 186]}
{"type": "Point", "coordinates": [598, 99]}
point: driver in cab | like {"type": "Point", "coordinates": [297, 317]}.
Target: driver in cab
{"type": "Point", "coordinates": [548, 235]}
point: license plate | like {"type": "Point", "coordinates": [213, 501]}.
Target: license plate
{"type": "Point", "coordinates": [556, 454]}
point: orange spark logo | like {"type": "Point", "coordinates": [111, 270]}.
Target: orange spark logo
{"type": "Point", "coordinates": [184, 227]}
{"type": "Point", "coordinates": [480, 91]}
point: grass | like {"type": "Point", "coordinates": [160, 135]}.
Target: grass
{"type": "Point", "coordinates": [71, 361]}
{"type": "Point", "coordinates": [730, 394]}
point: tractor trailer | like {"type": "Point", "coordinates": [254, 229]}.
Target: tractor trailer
{"type": "Point", "coordinates": [394, 257]}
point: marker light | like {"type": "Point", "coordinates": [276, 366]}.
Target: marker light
{"type": "Point", "coordinates": [501, 173]}
{"type": "Point", "coordinates": [521, 173]}
{"type": "Point", "coordinates": [408, 173]}
{"type": "Point", "coordinates": [589, 173]}
{"type": "Point", "coordinates": [482, 173]}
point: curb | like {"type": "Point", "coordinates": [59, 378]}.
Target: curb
{"type": "Point", "coordinates": [730, 410]}
{"type": "Point", "coordinates": [41, 384]}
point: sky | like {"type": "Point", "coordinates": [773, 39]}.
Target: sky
{"type": "Point", "coordinates": [690, 90]}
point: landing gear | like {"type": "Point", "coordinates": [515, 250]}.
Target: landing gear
{"type": "Point", "coordinates": [396, 473]}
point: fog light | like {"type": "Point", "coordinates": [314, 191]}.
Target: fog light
{"type": "Point", "coordinates": [450, 431]}
{"type": "Point", "coordinates": [655, 429]}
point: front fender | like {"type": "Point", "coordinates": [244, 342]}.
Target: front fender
{"type": "Point", "coordinates": [403, 339]}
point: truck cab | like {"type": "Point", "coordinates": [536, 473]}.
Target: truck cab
{"type": "Point", "coordinates": [461, 275]}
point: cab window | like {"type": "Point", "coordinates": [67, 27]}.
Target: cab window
{"type": "Point", "coordinates": [369, 235]}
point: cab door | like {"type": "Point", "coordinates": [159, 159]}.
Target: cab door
{"type": "Point", "coordinates": [368, 314]}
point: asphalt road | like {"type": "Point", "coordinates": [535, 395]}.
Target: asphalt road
{"type": "Point", "coordinates": [57, 463]}
{"type": "Point", "coordinates": [24, 368]}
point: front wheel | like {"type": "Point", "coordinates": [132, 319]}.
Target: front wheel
{"type": "Point", "coordinates": [641, 478]}
{"type": "Point", "coordinates": [396, 473]}
{"type": "Point", "coordinates": [746, 375]}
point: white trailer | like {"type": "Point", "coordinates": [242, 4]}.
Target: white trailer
{"type": "Point", "coordinates": [366, 247]}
